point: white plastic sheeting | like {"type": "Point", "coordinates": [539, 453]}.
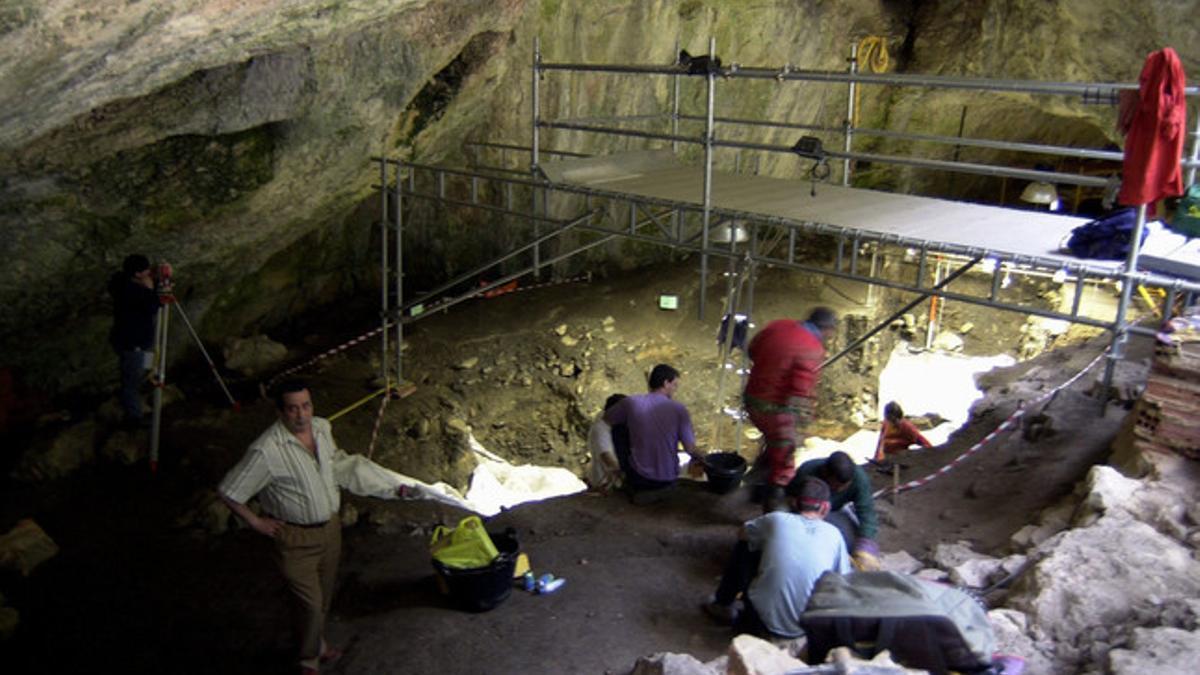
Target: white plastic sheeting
{"type": "Point", "coordinates": [921, 382]}
{"type": "Point", "coordinates": [495, 484]}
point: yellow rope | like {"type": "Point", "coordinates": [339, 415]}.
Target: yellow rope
{"type": "Point", "coordinates": [872, 56]}
{"type": "Point", "coordinates": [358, 403]}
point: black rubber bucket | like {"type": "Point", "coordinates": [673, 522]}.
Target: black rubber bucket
{"type": "Point", "coordinates": [724, 471]}
{"type": "Point", "coordinates": [479, 589]}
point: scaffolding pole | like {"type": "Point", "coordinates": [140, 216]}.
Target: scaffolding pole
{"type": "Point", "coordinates": [1191, 174]}
{"type": "Point", "coordinates": [708, 167]}
{"type": "Point", "coordinates": [398, 198]}
{"type": "Point", "coordinates": [1098, 92]}
{"type": "Point", "coordinates": [534, 159]}
{"type": "Point", "coordinates": [1032, 263]}
{"type": "Point", "coordinates": [899, 160]}
{"type": "Point", "coordinates": [675, 102]}
{"type": "Point", "coordinates": [932, 292]}
{"type": "Point", "coordinates": [1120, 332]}
{"type": "Point", "coordinates": [848, 125]}
{"type": "Point", "coordinates": [384, 270]}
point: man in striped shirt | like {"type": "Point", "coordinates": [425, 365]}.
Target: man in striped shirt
{"type": "Point", "coordinates": [290, 469]}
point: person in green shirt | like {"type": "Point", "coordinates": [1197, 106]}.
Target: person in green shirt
{"type": "Point", "coordinates": [848, 484]}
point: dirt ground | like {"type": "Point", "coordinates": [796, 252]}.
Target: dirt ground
{"type": "Point", "coordinates": [138, 588]}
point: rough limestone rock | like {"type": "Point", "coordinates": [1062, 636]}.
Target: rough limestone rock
{"type": "Point", "coordinates": [948, 342]}
{"type": "Point", "coordinates": [933, 574]}
{"type": "Point", "coordinates": [1095, 576]}
{"type": "Point", "coordinates": [1162, 651]}
{"type": "Point", "coordinates": [66, 452]}
{"type": "Point", "coordinates": [1164, 507]}
{"type": "Point", "coordinates": [749, 655]}
{"type": "Point", "coordinates": [900, 561]}
{"type": "Point", "coordinates": [126, 447]}
{"type": "Point", "coordinates": [1106, 490]}
{"type": "Point", "coordinates": [1013, 638]}
{"type": "Point", "coordinates": [208, 513]}
{"type": "Point", "coordinates": [1050, 522]}
{"type": "Point", "coordinates": [951, 555]}
{"type": "Point", "coordinates": [254, 355]}
{"type": "Point", "coordinates": [672, 664]}
{"type": "Point", "coordinates": [977, 572]}
{"type": "Point", "coordinates": [25, 547]}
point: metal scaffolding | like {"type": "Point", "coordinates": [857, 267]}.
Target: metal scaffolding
{"type": "Point", "coordinates": [688, 226]}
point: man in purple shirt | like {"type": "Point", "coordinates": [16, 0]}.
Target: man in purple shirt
{"type": "Point", "coordinates": [657, 425]}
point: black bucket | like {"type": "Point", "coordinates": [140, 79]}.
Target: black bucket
{"type": "Point", "coordinates": [724, 471]}
{"type": "Point", "coordinates": [479, 589]}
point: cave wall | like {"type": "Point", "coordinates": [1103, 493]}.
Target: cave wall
{"type": "Point", "coordinates": [233, 138]}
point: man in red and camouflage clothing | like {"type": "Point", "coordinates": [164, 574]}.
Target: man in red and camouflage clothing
{"type": "Point", "coordinates": [781, 390]}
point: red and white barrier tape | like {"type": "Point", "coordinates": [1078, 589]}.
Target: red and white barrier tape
{"type": "Point", "coordinates": [586, 276]}
{"type": "Point", "coordinates": [325, 354]}
{"type": "Point", "coordinates": [387, 395]}
{"type": "Point", "coordinates": [1005, 425]}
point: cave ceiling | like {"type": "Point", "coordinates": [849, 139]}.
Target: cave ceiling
{"type": "Point", "coordinates": [233, 138]}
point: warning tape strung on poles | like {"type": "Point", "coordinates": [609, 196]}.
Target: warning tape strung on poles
{"type": "Point", "coordinates": [325, 354]}
{"type": "Point", "coordinates": [587, 276]}
{"type": "Point", "coordinates": [505, 289]}
{"type": "Point", "coordinates": [378, 419]}
{"type": "Point", "coordinates": [1007, 424]}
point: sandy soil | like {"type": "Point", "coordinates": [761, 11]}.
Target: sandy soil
{"type": "Point", "coordinates": [136, 590]}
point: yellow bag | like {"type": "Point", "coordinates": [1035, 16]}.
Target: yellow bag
{"type": "Point", "coordinates": [464, 547]}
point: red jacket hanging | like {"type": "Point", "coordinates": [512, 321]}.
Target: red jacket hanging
{"type": "Point", "coordinates": [1154, 145]}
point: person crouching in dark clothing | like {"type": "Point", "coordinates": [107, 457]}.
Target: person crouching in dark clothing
{"type": "Point", "coordinates": [135, 308]}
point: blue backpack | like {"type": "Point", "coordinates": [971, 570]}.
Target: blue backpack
{"type": "Point", "coordinates": [1106, 238]}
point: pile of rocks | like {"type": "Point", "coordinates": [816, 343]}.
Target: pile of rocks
{"type": "Point", "coordinates": [1105, 581]}
{"type": "Point", "coordinates": [748, 655]}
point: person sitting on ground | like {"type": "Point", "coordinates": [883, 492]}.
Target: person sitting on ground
{"type": "Point", "coordinates": [604, 471]}
{"type": "Point", "coordinates": [776, 561]}
{"type": "Point", "coordinates": [896, 435]}
{"type": "Point", "coordinates": [850, 486]}
{"type": "Point", "coordinates": [658, 425]}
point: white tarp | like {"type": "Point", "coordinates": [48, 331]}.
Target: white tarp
{"type": "Point", "coordinates": [921, 382]}
{"type": "Point", "coordinates": [495, 484]}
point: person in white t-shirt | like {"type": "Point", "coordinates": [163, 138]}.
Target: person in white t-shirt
{"type": "Point", "coordinates": [604, 470]}
{"type": "Point", "coordinates": [777, 560]}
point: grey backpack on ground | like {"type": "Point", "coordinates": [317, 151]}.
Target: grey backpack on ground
{"type": "Point", "coordinates": [923, 624]}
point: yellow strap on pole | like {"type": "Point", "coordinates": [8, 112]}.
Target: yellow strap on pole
{"type": "Point", "coordinates": [1149, 300]}
{"type": "Point", "coordinates": [359, 403]}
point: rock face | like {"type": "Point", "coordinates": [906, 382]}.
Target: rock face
{"type": "Point", "coordinates": [25, 547]}
{"type": "Point", "coordinates": [60, 455]}
{"type": "Point", "coordinates": [253, 355]}
{"type": "Point", "coordinates": [1164, 651]}
{"type": "Point", "coordinates": [232, 139]}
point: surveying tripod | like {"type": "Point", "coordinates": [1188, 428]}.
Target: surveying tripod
{"type": "Point", "coordinates": [164, 286]}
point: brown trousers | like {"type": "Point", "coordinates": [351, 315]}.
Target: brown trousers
{"type": "Point", "coordinates": [308, 559]}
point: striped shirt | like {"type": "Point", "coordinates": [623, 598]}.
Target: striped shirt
{"type": "Point", "coordinates": [291, 484]}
